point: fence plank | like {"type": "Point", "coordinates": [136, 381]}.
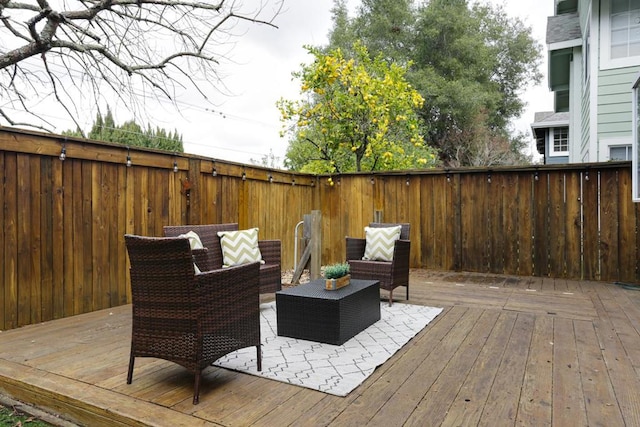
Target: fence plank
{"type": "Point", "coordinates": [57, 238]}
{"type": "Point", "coordinates": [627, 234]}
{"type": "Point", "coordinates": [496, 231]}
{"type": "Point", "coordinates": [590, 225]}
{"type": "Point", "coordinates": [10, 248]}
{"type": "Point", "coordinates": [85, 287]}
{"type": "Point", "coordinates": [99, 206]}
{"type": "Point", "coordinates": [526, 221]}
{"type": "Point", "coordinates": [117, 253]}
{"type": "Point", "coordinates": [556, 236]}
{"type": "Point", "coordinates": [26, 312]}
{"type": "Point", "coordinates": [510, 199]}
{"type": "Point", "coordinates": [68, 231]}
{"type": "Point", "coordinates": [572, 227]}
{"type": "Point", "coordinates": [540, 211]}
{"type": "Point", "coordinates": [46, 240]}
{"type": "Point", "coordinates": [34, 236]}
{"type": "Point", "coordinates": [609, 215]}
{"type": "Point", "coordinates": [4, 285]}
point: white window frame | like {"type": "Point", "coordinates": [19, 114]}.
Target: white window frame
{"type": "Point", "coordinates": [552, 151]}
{"type": "Point", "coordinates": [627, 148]}
{"type": "Point", "coordinates": [606, 62]}
{"type": "Point", "coordinates": [619, 141]}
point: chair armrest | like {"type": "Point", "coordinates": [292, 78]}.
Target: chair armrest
{"type": "Point", "coordinates": [227, 294]}
{"type": "Point", "coordinates": [401, 252]}
{"type": "Point", "coordinates": [271, 251]}
{"type": "Point", "coordinates": [201, 258]}
{"type": "Point", "coordinates": [355, 248]}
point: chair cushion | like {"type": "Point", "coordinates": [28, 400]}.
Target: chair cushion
{"type": "Point", "coordinates": [195, 243]}
{"type": "Point", "coordinates": [239, 247]}
{"type": "Point", "coordinates": [380, 242]}
{"type": "Point", "coordinates": [194, 239]}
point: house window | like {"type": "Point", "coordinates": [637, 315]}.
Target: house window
{"type": "Point", "coordinates": [625, 28]}
{"type": "Point", "coordinates": [620, 33]}
{"type": "Point", "coordinates": [620, 152]}
{"type": "Point", "coordinates": [559, 141]}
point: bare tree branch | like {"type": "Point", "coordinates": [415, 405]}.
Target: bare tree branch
{"type": "Point", "coordinates": [123, 48]}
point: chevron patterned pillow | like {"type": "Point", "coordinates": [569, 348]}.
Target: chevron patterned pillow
{"type": "Point", "coordinates": [380, 243]}
{"type": "Point", "coordinates": [195, 243]}
{"type": "Point", "coordinates": [194, 239]}
{"type": "Point", "coordinates": [239, 247]}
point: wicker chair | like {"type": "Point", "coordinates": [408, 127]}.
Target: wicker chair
{"type": "Point", "coordinates": [391, 274]}
{"type": "Point", "coordinates": [211, 259]}
{"type": "Point", "coordinates": [187, 318]}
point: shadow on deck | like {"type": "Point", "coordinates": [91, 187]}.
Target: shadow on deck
{"type": "Point", "coordinates": [506, 350]}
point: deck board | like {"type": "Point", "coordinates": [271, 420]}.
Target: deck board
{"type": "Point", "coordinates": [436, 403]}
{"type": "Point", "coordinates": [505, 351]}
{"type": "Point", "coordinates": [536, 397]}
{"type": "Point", "coordinates": [568, 398]}
{"type": "Point", "coordinates": [502, 403]}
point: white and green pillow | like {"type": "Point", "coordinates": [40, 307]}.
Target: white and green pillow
{"type": "Point", "coordinates": [195, 243]}
{"type": "Point", "coordinates": [194, 240]}
{"type": "Point", "coordinates": [380, 242]}
{"type": "Point", "coordinates": [239, 247]}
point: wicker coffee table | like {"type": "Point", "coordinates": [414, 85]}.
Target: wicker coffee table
{"type": "Point", "coordinates": [310, 312]}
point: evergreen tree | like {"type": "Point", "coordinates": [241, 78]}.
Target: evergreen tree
{"type": "Point", "coordinates": [130, 133]}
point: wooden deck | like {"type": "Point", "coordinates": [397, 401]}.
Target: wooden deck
{"type": "Point", "coordinates": [505, 351]}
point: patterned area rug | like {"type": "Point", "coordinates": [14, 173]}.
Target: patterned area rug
{"type": "Point", "coordinates": [329, 368]}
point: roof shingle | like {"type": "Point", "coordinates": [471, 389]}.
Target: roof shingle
{"type": "Point", "coordinates": [563, 27]}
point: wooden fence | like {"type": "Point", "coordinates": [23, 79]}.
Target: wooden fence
{"type": "Point", "coordinates": [63, 222]}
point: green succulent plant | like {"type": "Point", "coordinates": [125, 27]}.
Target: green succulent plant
{"type": "Point", "coordinates": [336, 270]}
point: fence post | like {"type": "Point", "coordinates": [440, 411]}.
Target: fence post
{"type": "Point", "coordinates": [316, 243]}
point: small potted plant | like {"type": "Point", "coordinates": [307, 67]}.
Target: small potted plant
{"type": "Point", "coordinates": [337, 276]}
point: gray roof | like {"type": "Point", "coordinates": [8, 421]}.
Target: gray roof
{"type": "Point", "coordinates": [563, 27]}
{"type": "Point", "coordinates": [549, 118]}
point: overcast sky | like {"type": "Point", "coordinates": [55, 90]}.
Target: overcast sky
{"type": "Point", "coordinates": [246, 125]}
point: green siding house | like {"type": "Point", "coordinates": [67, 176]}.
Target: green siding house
{"type": "Point", "coordinates": [594, 60]}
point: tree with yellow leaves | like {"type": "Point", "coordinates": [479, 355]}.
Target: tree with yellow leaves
{"type": "Point", "coordinates": [356, 114]}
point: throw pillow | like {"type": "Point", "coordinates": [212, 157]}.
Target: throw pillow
{"type": "Point", "coordinates": [195, 243]}
{"type": "Point", "coordinates": [380, 242]}
{"type": "Point", "coordinates": [239, 247]}
{"type": "Point", "coordinates": [194, 239]}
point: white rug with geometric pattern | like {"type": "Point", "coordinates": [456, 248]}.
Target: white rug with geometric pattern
{"type": "Point", "coordinates": [329, 368]}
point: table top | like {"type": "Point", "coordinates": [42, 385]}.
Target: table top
{"type": "Point", "coordinates": [316, 289]}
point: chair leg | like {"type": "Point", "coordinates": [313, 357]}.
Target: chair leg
{"type": "Point", "coordinates": [259, 356]}
{"type": "Point", "coordinates": [130, 373]}
{"type": "Point", "coordinates": [390, 297]}
{"type": "Point", "coordinates": [196, 387]}
{"type": "Point", "coordinates": [407, 292]}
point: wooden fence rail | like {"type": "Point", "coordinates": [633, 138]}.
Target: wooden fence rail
{"type": "Point", "coordinates": [63, 222]}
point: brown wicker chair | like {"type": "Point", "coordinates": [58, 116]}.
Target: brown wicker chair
{"type": "Point", "coordinates": [390, 274]}
{"type": "Point", "coordinates": [187, 318]}
{"type": "Point", "coordinates": [211, 259]}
